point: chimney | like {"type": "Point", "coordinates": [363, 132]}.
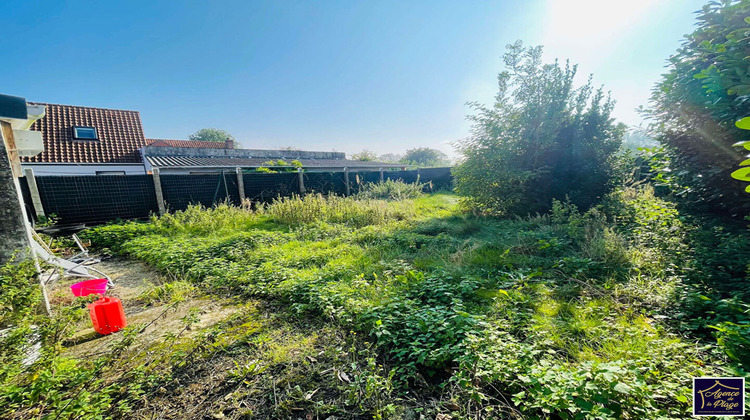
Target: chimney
{"type": "Point", "coordinates": [229, 143]}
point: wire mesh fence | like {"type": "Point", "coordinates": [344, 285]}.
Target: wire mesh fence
{"type": "Point", "coordinates": [100, 199]}
{"type": "Point", "coordinates": [97, 199]}
{"type": "Point", "coordinates": [266, 187]}
{"type": "Point", "coordinates": [180, 191]}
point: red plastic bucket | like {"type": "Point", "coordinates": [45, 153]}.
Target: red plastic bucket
{"type": "Point", "coordinates": [89, 287]}
{"type": "Point", "coordinates": [107, 315]}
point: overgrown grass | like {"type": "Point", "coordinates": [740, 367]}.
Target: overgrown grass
{"type": "Point", "coordinates": [168, 292]}
{"type": "Point", "coordinates": [391, 190]}
{"type": "Point", "coordinates": [334, 209]}
{"type": "Point", "coordinates": [569, 315]}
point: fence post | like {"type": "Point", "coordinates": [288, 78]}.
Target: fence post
{"type": "Point", "coordinates": [381, 175]}
{"type": "Point", "coordinates": [240, 184]}
{"type": "Point", "coordinates": [157, 188]}
{"type": "Point", "coordinates": [301, 179]}
{"type": "Point", "coordinates": [36, 199]}
{"type": "Point", "coordinates": [346, 181]}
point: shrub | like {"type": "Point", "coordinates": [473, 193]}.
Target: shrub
{"type": "Point", "coordinates": [199, 220]}
{"type": "Point", "coordinates": [541, 140]}
{"type": "Point", "coordinates": [698, 100]}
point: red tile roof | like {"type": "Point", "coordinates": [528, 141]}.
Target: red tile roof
{"type": "Point", "coordinates": [187, 143]}
{"type": "Point", "coordinates": [120, 135]}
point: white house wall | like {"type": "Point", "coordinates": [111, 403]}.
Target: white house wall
{"type": "Point", "coordinates": [71, 169]}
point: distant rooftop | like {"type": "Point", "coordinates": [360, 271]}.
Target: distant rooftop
{"type": "Point", "coordinates": [162, 156]}
{"type": "Point", "coordinates": [240, 162]}
{"type": "Point", "coordinates": [187, 143]}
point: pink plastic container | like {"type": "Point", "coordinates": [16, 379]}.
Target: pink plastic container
{"type": "Point", "coordinates": [89, 287]}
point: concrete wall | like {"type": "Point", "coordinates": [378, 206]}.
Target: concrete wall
{"type": "Point", "coordinates": [13, 235]}
{"type": "Point", "coordinates": [61, 169]}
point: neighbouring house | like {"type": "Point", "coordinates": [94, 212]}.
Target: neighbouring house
{"type": "Point", "coordinates": [81, 140]}
{"type": "Point", "coordinates": [180, 158]}
{"type": "Point", "coordinates": [229, 144]}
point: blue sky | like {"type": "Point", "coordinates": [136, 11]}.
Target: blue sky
{"type": "Point", "coordinates": [334, 75]}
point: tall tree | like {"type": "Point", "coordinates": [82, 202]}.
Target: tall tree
{"type": "Point", "coordinates": [424, 156]}
{"type": "Point", "coordinates": [543, 139]}
{"type": "Point", "coordinates": [391, 157]}
{"type": "Point", "coordinates": [211, 134]}
{"type": "Point", "coordinates": [365, 156]}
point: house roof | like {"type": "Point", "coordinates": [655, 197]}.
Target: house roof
{"type": "Point", "coordinates": [245, 162]}
{"type": "Point", "coordinates": [120, 135]}
{"type": "Point", "coordinates": [187, 143]}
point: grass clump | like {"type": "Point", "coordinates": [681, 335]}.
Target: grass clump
{"type": "Point", "coordinates": [170, 292]}
{"type": "Point", "coordinates": [311, 208]}
{"type": "Point", "coordinates": [390, 190]}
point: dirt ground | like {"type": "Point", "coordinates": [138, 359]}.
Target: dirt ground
{"type": "Point", "coordinates": [131, 279]}
{"type": "Point", "coordinates": [269, 369]}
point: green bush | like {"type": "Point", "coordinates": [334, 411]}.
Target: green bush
{"type": "Point", "coordinates": [541, 140]}
{"type": "Point", "coordinates": [696, 104]}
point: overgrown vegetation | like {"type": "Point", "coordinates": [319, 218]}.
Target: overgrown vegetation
{"type": "Point", "coordinates": [35, 380]}
{"type": "Point", "coordinates": [279, 165]}
{"type": "Point", "coordinates": [391, 190]}
{"type": "Point", "coordinates": [696, 104]}
{"type": "Point", "coordinates": [481, 317]}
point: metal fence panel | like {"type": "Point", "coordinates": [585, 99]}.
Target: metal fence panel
{"type": "Point", "coordinates": [96, 199]}
{"type": "Point", "coordinates": [266, 187]}
{"type": "Point", "coordinates": [180, 191]}
{"type": "Point", "coordinates": [323, 182]}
